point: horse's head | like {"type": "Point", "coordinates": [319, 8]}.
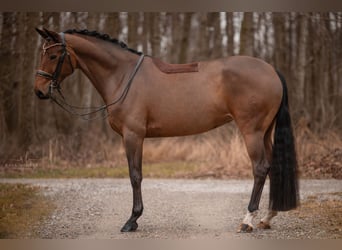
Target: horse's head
{"type": "Point", "coordinates": [57, 62]}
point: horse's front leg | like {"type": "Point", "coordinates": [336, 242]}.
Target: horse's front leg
{"type": "Point", "coordinates": [133, 146]}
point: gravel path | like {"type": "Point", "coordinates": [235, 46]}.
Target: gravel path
{"type": "Point", "coordinates": [176, 209]}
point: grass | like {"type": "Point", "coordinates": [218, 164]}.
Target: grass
{"type": "Point", "coordinates": [157, 170]}
{"type": "Point", "coordinates": [22, 207]}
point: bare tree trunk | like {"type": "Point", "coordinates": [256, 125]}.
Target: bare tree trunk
{"type": "Point", "coordinates": [215, 36]}
{"type": "Point", "coordinates": [8, 85]}
{"type": "Point", "coordinates": [184, 45]}
{"type": "Point", "coordinates": [318, 84]}
{"type": "Point", "coordinates": [325, 102]}
{"type": "Point", "coordinates": [174, 50]}
{"type": "Point", "coordinates": [259, 45]}
{"type": "Point", "coordinates": [230, 32]}
{"type": "Point", "coordinates": [279, 41]}
{"type": "Point", "coordinates": [310, 85]}
{"type": "Point", "coordinates": [301, 63]}
{"type": "Point", "coordinates": [247, 34]}
{"type": "Point", "coordinates": [46, 17]}
{"type": "Point", "coordinates": [267, 37]}
{"type": "Point", "coordinates": [132, 24]}
{"type": "Point", "coordinates": [112, 24]}
{"type": "Point", "coordinates": [155, 33]}
{"type": "Point", "coordinates": [203, 37]}
{"type": "Point", "coordinates": [146, 33]}
{"type": "Point", "coordinates": [26, 109]}
{"type": "Point", "coordinates": [336, 70]}
{"type": "Point", "coordinates": [20, 53]}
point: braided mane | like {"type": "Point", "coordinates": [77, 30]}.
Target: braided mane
{"type": "Point", "coordinates": [104, 37]}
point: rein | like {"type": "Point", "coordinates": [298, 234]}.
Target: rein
{"type": "Point", "coordinates": [72, 109]}
{"type": "Point", "coordinates": [61, 101]}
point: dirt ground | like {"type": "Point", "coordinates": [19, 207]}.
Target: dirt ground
{"type": "Point", "coordinates": [182, 209]}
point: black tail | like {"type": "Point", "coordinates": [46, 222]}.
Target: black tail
{"type": "Point", "coordinates": [283, 173]}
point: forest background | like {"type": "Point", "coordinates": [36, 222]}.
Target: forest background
{"type": "Point", "coordinates": [305, 47]}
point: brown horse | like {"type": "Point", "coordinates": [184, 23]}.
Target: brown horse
{"type": "Point", "coordinates": [148, 98]}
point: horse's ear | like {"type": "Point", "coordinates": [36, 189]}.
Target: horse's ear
{"type": "Point", "coordinates": [42, 33]}
{"type": "Point", "coordinates": [53, 35]}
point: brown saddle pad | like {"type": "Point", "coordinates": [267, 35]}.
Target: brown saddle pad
{"type": "Point", "coordinates": [175, 68]}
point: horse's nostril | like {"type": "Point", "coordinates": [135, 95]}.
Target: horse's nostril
{"type": "Point", "coordinates": [41, 95]}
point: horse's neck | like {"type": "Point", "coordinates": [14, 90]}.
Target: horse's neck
{"type": "Point", "coordinates": [105, 65]}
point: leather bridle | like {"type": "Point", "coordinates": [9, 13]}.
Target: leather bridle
{"type": "Point", "coordinates": [54, 83]}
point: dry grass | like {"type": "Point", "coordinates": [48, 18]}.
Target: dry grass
{"type": "Point", "coordinates": [319, 156]}
{"type": "Point", "coordinates": [220, 153]}
{"type": "Point", "coordinates": [324, 214]}
{"type": "Point", "coordinates": [156, 170]}
{"type": "Point", "coordinates": [22, 208]}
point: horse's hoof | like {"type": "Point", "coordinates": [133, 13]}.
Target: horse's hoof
{"type": "Point", "coordinates": [245, 228]}
{"type": "Point", "coordinates": [263, 225]}
{"type": "Point", "coordinates": [129, 227]}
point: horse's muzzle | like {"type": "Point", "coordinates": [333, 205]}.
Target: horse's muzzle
{"type": "Point", "coordinates": [41, 95]}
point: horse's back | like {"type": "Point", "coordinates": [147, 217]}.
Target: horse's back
{"type": "Point", "coordinates": [236, 87]}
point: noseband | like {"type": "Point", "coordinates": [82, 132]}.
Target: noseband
{"type": "Point", "coordinates": [54, 84]}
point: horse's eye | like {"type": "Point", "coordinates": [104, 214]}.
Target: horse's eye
{"type": "Point", "coordinates": [53, 57]}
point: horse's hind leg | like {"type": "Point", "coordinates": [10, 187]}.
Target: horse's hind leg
{"type": "Point", "coordinates": [256, 150]}
{"type": "Point", "coordinates": [265, 221]}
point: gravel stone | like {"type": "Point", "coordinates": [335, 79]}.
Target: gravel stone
{"type": "Point", "coordinates": [174, 209]}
